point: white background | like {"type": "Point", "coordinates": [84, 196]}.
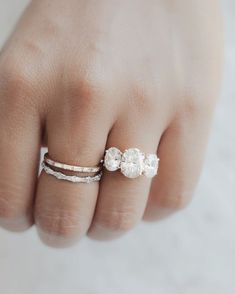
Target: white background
{"type": "Point", "coordinates": [193, 252]}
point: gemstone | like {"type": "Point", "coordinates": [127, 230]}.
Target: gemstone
{"type": "Point", "coordinates": [150, 165]}
{"type": "Point", "coordinates": [132, 163]}
{"type": "Point", "coordinates": [112, 159]}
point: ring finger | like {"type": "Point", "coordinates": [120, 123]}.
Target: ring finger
{"type": "Point", "coordinates": [121, 200]}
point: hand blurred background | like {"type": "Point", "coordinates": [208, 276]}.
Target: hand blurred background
{"type": "Point", "coordinates": [192, 252]}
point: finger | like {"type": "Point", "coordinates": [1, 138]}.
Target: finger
{"type": "Point", "coordinates": [121, 200]}
{"type": "Point", "coordinates": [64, 210]}
{"type": "Point", "coordinates": [181, 150]}
{"type": "Point", "coordinates": [19, 148]}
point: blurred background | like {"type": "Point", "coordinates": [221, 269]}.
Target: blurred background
{"type": "Point", "coordinates": [192, 252]}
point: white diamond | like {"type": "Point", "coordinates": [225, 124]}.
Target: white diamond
{"type": "Point", "coordinates": [112, 159]}
{"type": "Point", "coordinates": [150, 165]}
{"type": "Point", "coordinates": [132, 163]}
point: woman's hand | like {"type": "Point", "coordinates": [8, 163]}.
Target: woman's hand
{"type": "Point", "coordinates": [80, 76]}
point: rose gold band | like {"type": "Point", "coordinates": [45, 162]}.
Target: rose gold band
{"type": "Point", "coordinates": [81, 169]}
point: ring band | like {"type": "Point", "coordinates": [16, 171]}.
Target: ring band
{"type": "Point", "coordinates": [74, 179]}
{"type": "Point", "coordinates": [68, 167]}
{"type": "Point", "coordinates": [132, 162]}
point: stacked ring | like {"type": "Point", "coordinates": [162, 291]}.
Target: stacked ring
{"type": "Point", "coordinates": [48, 166]}
{"type": "Point", "coordinates": [74, 179]}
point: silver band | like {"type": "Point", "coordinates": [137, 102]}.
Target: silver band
{"type": "Point", "coordinates": [81, 169]}
{"type": "Point", "coordinates": [74, 179]}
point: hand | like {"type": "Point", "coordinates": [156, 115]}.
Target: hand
{"type": "Point", "coordinates": [80, 76]}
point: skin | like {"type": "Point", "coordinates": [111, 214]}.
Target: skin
{"type": "Point", "coordinates": [80, 76]}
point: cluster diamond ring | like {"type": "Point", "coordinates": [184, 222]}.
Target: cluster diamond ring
{"type": "Point", "coordinates": [132, 162]}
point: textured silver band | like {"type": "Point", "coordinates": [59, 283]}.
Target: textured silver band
{"type": "Point", "coordinates": [74, 179]}
{"type": "Point", "coordinates": [81, 169]}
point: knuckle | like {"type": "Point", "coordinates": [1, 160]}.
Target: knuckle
{"type": "Point", "coordinates": [175, 203]}
{"type": "Point", "coordinates": [59, 223]}
{"type": "Point", "coordinates": [7, 209]}
{"type": "Point", "coordinates": [142, 100]}
{"type": "Point", "coordinates": [193, 107]}
{"type": "Point", "coordinates": [86, 88]}
{"type": "Point", "coordinates": [16, 80]}
{"type": "Point", "coordinates": [118, 221]}
{"type": "Point", "coordinates": [196, 104]}
{"type": "Point", "coordinates": [10, 205]}
{"type": "Point", "coordinates": [12, 215]}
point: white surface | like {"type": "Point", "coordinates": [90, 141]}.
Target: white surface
{"type": "Point", "coordinates": [193, 252]}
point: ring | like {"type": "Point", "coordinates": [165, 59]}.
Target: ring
{"type": "Point", "coordinates": [132, 162]}
{"type": "Point", "coordinates": [74, 168]}
{"type": "Point", "coordinates": [48, 166]}
{"type": "Point", "coordinates": [74, 179]}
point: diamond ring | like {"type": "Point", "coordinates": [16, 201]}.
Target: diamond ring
{"type": "Point", "coordinates": [132, 162]}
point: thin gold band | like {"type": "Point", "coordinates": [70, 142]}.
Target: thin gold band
{"type": "Point", "coordinates": [81, 169]}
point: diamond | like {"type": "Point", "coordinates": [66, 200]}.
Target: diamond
{"type": "Point", "coordinates": [150, 165]}
{"type": "Point", "coordinates": [132, 163]}
{"type": "Point", "coordinates": [112, 159]}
